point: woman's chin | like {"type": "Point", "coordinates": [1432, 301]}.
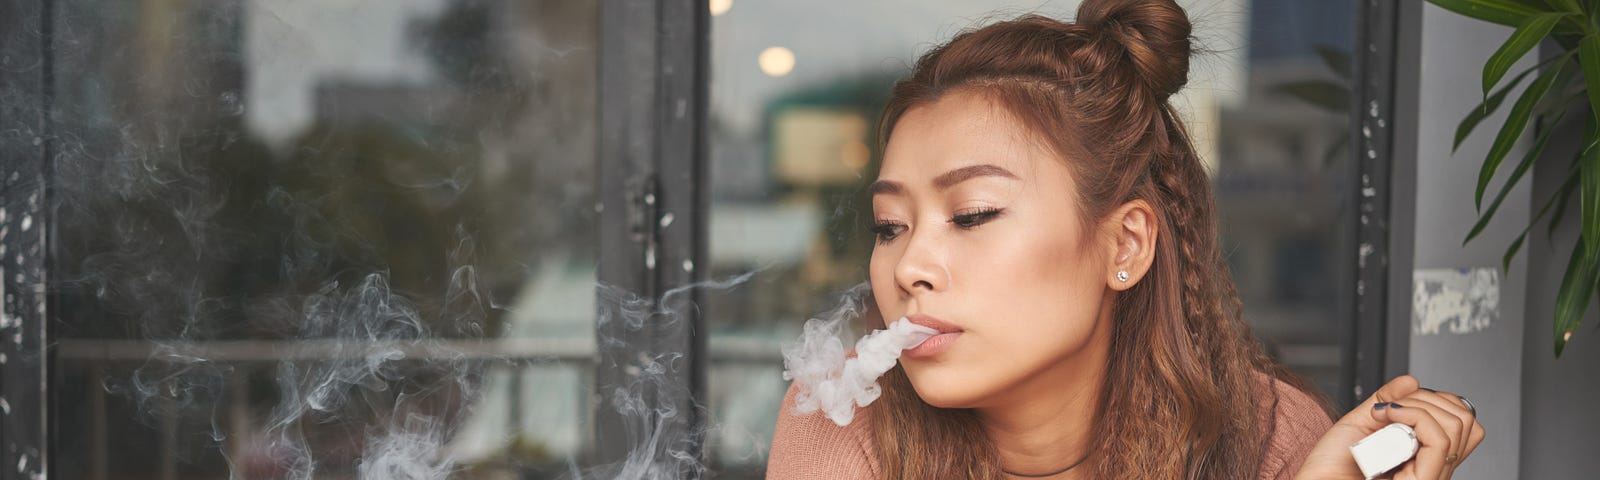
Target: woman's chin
{"type": "Point", "coordinates": [946, 391]}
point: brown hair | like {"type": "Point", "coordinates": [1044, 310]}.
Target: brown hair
{"type": "Point", "coordinates": [1181, 397]}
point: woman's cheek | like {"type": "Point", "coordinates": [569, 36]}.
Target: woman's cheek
{"type": "Point", "coordinates": [880, 276]}
{"type": "Point", "coordinates": [953, 384]}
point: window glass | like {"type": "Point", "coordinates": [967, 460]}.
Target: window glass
{"type": "Point", "coordinates": [328, 238]}
{"type": "Point", "coordinates": [323, 239]}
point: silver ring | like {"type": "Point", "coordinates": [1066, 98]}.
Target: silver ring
{"type": "Point", "coordinates": [1471, 408]}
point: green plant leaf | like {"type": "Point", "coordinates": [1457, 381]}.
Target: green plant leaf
{"type": "Point", "coordinates": [1504, 12]}
{"type": "Point", "coordinates": [1573, 297]}
{"type": "Point", "coordinates": [1561, 194]}
{"type": "Point", "coordinates": [1565, 195]}
{"type": "Point", "coordinates": [1589, 57]}
{"type": "Point", "coordinates": [1527, 36]}
{"type": "Point", "coordinates": [1590, 196]}
{"type": "Point", "coordinates": [1516, 122]}
{"type": "Point", "coordinates": [1323, 94]}
{"type": "Point", "coordinates": [1555, 102]}
{"type": "Point", "coordinates": [1489, 105]}
{"type": "Point", "coordinates": [1566, 198]}
{"type": "Point", "coordinates": [1486, 108]}
{"type": "Point", "coordinates": [1511, 251]}
{"type": "Point", "coordinates": [1566, 5]}
{"type": "Point", "coordinates": [1336, 60]}
{"type": "Point", "coordinates": [1516, 174]}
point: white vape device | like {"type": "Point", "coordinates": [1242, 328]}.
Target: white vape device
{"type": "Point", "coordinates": [1385, 449]}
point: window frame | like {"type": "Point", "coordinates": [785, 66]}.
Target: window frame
{"type": "Point", "coordinates": [1378, 307]}
{"type": "Point", "coordinates": [653, 160]}
{"type": "Point", "coordinates": [26, 146]}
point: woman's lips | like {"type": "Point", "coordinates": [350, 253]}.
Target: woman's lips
{"type": "Point", "coordinates": [933, 346]}
{"type": "Point", "coordinates": [932, 322]}
{"type": "Point", "coordinates": [936, 344]}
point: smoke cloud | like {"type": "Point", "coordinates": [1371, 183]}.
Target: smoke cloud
{"type": "Point", "coordinates": [829, 379]}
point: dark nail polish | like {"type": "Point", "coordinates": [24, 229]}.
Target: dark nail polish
{"type": "Point", "coordinates": [1395, 405]}
{"type": "Point", "coordinates": [1429, 389]}
{"type": "Point", "coordinates": [1380, 406]}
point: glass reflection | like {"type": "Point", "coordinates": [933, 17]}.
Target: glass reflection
{"type": "Point", "coordinates": [303, 239]}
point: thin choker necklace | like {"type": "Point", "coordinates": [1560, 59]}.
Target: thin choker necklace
{"type": "Point", "coordinates": [1051, 474]}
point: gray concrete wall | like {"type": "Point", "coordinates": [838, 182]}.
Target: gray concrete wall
{"type": "Point", "coordinates": [1465, 338]}
{"type": "Point", "coordinates": [1560, 397]}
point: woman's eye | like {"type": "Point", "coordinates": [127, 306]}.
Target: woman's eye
{"type": "Point", "coordinates": [975, 218]}
{"type": "Point", "coordinates": [886, 231]}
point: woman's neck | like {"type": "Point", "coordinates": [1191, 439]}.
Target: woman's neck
{"type": "Point", "coordinates": [1044, 434]}
{"type": "Point", "coordinates": [1044, 424]}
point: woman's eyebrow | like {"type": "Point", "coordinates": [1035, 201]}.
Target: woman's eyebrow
{"type": "Point", "coordinates": [953, 177]}
{"type": "Point", "coordinates": [945, 180]}
{"type": "Point", "coordinates": [885, 187]}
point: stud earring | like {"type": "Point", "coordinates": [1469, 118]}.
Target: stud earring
{"type": "Point", "coordinates": [1122, 275]}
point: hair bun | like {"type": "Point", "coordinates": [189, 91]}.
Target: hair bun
{"type": "Point", "coordinates": [1145, 42]}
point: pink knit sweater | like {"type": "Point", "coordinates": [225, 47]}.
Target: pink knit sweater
{"type": "Point", "coordinates": [813, 447]}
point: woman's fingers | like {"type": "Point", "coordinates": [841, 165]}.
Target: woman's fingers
{"type": "Point", "coordinates": [1457, 405]}
{"type": "Point", "coordinates": [1473, 435]}
{"type": "Point", "coordinates": [1457, 420]}
{"type": "Point", "coordinates": [1456, 425]}
{"type": "Point", "coordinates": [1469, 416]}
{"type": "Point", "coordinates": [1450, 401]}
{"type": "Point", "coordinates": [1398, 388]}
{"type": "Point", "coordinates": [1445, 427]}
{"type": "Point", "coordinates": [1436, 444]}
{"type": "Point", "coordinates": [1477, 433]}
{"type": "Point", "coordinates": [1476, 437]}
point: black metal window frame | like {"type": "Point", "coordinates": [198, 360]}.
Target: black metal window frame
{"type": "Point", "coordinates": [653, 71]}
{"type": "Point", "coordinates": [653, 156]}
{"type": "Point", "coordinates": [1377, 336]}
{"type": "Point", "coordinates": [25, 151]}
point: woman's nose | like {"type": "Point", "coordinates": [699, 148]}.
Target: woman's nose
{"type": "Point", "coordinates": [921, 267]}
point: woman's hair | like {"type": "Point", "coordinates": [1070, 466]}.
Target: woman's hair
{"type": "Point", "coordinates": [1182, 396]}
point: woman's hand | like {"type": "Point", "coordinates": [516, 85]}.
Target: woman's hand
{"type": "Point", "coordinates": [1446, 427]}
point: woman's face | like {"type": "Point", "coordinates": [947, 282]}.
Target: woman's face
{"type": "Point", "coordinates": [979, 228]}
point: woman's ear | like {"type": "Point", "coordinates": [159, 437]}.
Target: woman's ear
{"type": "Point", "coordinates": [1133, 228]}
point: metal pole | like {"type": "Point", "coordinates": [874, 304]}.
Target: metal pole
{"type": "Point", "coordinates": [1382, 231]}
{"type": "Point", "coordinates": [652, 220]}
{"type": "Point", "coordinates": [26, 145]}
{"type": "Point", "coordinates": [99, 435]}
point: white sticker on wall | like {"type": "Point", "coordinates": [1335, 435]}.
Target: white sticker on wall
{"type": "Point", "coordinates": [1454, 300]}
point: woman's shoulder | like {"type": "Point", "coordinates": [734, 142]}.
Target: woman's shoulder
{"type": "Point", "coordinates": [810, 446]}
{"type": "Point", "coordinates": [1296, 419]}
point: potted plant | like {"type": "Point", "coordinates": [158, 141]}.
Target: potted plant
{"type": "Point", "coordinates": [1558, 83]}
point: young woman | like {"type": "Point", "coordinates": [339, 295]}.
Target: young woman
{"type": "Point", "coordinates": [1040, 203]}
